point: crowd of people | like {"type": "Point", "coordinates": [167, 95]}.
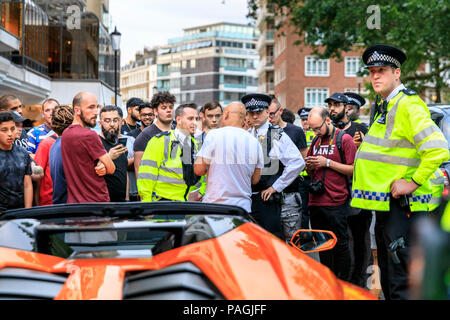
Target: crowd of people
{"type": "Point", "coordinates": [331, 173]}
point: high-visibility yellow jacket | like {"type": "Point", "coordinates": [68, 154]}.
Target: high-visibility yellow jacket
{"type": "Point", "coordinates": [407, 146]}
{"type": "Point", "coordinates": [437, 187]}
{"type": "Point", "coordinates": [309, 138]}
{"type": "Point", "coordinates": [445, 220]}
{"type": "Point", "coordinates": [161, 170]}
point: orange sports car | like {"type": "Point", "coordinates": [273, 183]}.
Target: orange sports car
{"type": "Point", "coordinates": [162, 250]}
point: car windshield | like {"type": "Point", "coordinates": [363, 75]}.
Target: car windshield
{"type": "Point", "coordinates": [445, 125]}
{"type": "Point", "coordinates": [70, 236]}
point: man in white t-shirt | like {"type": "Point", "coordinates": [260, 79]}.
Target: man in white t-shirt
{"type": "Point", "coordinates": [232, 159]}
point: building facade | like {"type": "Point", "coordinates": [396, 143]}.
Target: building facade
{"type": "Point", "coordinates": [138, 78]}
{"type": "Point", "coordinates": [55, 49]}
{"type": "Point", "coordinates": [300, 79]}
{"type": "Point", "coordinates": [215, 62]}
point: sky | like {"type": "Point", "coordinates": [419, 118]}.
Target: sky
{"type": "Point", "coordinates": [152, 22]}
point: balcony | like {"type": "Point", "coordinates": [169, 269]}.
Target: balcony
{"type": "Point", "coordinates": [8, 42]}
{"type": "Point", "coordinates": [235, 85]}
{"type": "Point", "coordinates": [266, 38]}
{"type": "Point", "coordinates": [238, 69]}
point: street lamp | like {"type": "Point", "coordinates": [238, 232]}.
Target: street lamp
{"type": "Point", "coordinates": [115, 36]}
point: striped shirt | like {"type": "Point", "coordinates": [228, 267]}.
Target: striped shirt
{"type": "Point", "coordinates": [36, 135]}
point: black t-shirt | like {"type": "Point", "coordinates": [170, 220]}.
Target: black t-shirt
{"type": "Point", "coordinates": [296, 134]}
{"type": "Point", "coordinates": [141, 141]}
{"type": "Point", "coordinates": [117, 182]}
{"type": "Point", "coordinates": [127, 128]}
{"type": "Point", "coordinates": [354, 127]}
{"type": "Point", "coordinates": [134, 133]}
{"type": "Point", "coordinates": [23, 140]}
{"type": "Point", "coordinates": [14, 165]}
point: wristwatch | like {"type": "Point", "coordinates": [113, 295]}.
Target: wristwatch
{"type": "Point", "coordinates": [328, 163]}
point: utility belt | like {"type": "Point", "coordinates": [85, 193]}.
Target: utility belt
{"type": "Point", "coordinates": [293, 187]}
{"type": "Point", "coordinates": [275, 198]}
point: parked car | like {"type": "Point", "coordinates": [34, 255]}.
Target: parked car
{"type": "Point", "coordinates": [162, 250]}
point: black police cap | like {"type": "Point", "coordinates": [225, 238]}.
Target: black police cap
{"type": "Point", "coordinates": [303, 113]}
{"type": "Point", "coordinates": [382, 55]}
{"type": "Point", "coordinates": [255, 102]}
{"type": "Point", "coordinates": [355, 99]}
{"type": "Point", "coordinates": [338, 97]}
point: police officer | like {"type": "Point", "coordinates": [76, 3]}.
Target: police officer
{"type": "Point", "coordinates": [282, 164]}
{"type": "Point", "coordinates": [393, 165]}
{"type": "Point", "coordinates": [304, 184]}
{"type": "Point", "coordinates": [166, 169]}
{"type": "Point", "coordinates": [354, 105]}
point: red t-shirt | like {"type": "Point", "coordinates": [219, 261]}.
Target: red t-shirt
{"type": "Point", "coordinates": [80, 150]}
{"type": "Point", "coordinates": [336, 192]}
{"type": "Point", "coordinates": [42, 159]}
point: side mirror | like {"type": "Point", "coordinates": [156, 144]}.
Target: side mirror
{"type": "Point", "coordinates": [308, 241]}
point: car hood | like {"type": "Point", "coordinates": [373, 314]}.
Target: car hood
{"type": "Point", "coordinates": [245, 263]}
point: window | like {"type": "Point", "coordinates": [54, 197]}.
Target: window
{"type": "Point", "coordinates": [280, 73]}
{"type": "Point", "coordinates": [316, 67]}
{"type": "Point", "coordinates": [280, 45]}
{"type": "Point", "coordinates": [183, 81]}
{"type": "Point", "coordinates": [315, 97]}
{"type": "Point", "coordinates": [193, 63]}
{"type": "Point", "coordinates": [352, 66]}
{"type": "Point", "coordinates": [192, 80]}
{"type": "Point", "coordinates": [183, 64]}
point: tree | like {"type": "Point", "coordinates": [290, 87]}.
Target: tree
{"type": "Point", "coordinates": [331, 27]}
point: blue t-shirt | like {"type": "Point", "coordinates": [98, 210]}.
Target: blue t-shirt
{"type": "Point", "coordinates": [57, 173]}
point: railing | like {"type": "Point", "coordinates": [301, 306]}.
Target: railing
{"type": "Point", "coordinates": [230, 68]}
{"type": "Point", "coordinates": [235, 85]}
{"type": "Point", "coordinates": [28, 62]}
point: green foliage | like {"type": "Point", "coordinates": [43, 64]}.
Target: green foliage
{"type": "Point", "coordinates": [420, 28]}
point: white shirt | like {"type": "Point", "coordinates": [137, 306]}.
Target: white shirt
{"type": "Point", "coordinates": [395, 92]}
{"type": "Point", "coordinates": [286, 151]}
{"type": "Point", "coordinates": [234, 155]}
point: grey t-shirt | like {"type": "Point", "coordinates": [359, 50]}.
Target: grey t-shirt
{"type": "Point", "coordinates": [14, 165]}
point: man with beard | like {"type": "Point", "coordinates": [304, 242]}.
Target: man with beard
{"type": "Point", "coordinates": [358, 220]}
{"type": "Point", "coordinates": [110, 125]}
{"type": "Point", "coordinates": [83, 154]}
{"type": "Point", "coordinates": [330, 168]}
{"type": "Point", "coordinates": [163, 104]}
{"type": "Point", "coordinates": [130, 122]}
{"type": "Point", "coordinates": [147, 115]}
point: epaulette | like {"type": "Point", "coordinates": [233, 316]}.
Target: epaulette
{"type": "Point", "coordinates": [164, 133]}
{"type": "Point", "coordinates": [409, 92]}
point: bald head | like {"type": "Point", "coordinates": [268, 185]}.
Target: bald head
{"type": "Point", "coordinates": [234, 115]}
{"type": "Point", "coordinates": [319, 121]}
{"type": "Point", "coordinates": [85, 107]}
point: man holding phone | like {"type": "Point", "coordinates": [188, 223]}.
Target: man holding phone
{"type": "Point", "coordinates": [117, 182]}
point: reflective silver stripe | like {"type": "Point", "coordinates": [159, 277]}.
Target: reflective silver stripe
{"type": "Point", "coordinates": [388, 143]}
{"type": "Point", "coordinates": [147, 176]}
{"type": "Point", "coordinates": [390, 121]}
{"type": "Point", "coordinates": [172, 170]}
{"type": "Point", "coordinates": [437, 181]}
{"type": "Point", "coordinates": [166, 147]}
{"type": "Point", "coordinates": [435, 200]}
{"type": "Point", "coordinates": [425, 133]}
{"type": "Point", "coordinates": [383, 158]}
{"type": "Point", "coordinates": [160, 178]}
{"type": "Point", "coordinates": [437, 173]}
{"type": "Point", "coordinates": [433, 144]}
{"type": "Point", "coordinates": [150, 163]}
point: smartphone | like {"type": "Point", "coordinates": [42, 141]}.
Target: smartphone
{"type": "Point", "coordinates": [123, 141]}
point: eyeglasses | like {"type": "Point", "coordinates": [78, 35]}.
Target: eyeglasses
{"type": "Point", "coordinates": [318, 129]}
{"type": "Point", "coordinates": [147, 115]}
{"type": "Point", "coordinates": [271, 114]}
{"type": "Point", "coordinates": [335, 105]}
{"type": "Point", "coordinates": [108, 121]}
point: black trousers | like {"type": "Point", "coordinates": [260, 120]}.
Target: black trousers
{"type": "Point", "coordinates": [267, 214]}
{"type": "Point", "coordinates": [360, 246]}
{"type": "Point", "coordinates": [334, 219]}
{"type": "Point", "coordinates": [390, 226]}
{"type": "Point", "coordinates": [303, 188]}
